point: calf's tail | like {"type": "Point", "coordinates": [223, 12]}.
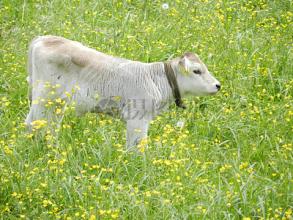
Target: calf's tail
{"type": "Point", "coordinates": [30, 65]}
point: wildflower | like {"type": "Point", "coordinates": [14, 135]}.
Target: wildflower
{"type": "Point", "coordinates": [92, 217]}
{"type": "Point", "coordinates": [37, 124]}
{"type": "Point", "coordinates": [167, 201]}
{"type": "Point", "coordinates": [180, 124]}
{"type": "Point", "coordinates": [58, 111]}
{"type": "Point", "coordinates": [102, 212]}
{"type": "Point", "coordinates": [243, 165]}
{"type": "Point", "coordinates": [165, 6]}
{"type": "Point", "coordinates": [142, 145]}
{"type": "Point", "coordinates": [46, 202]}
{"type": "Point", "coordinates": [68, 94]}
{"type": "Point", "coordinates": [58, 100]}
{"type": "Point", "coordinates": [7, 150]}
{"type": "Point", "coordinates": [115, 215]}
{"type": "Point", "coordinates": [225, 167]}
{"type": "Point", "coordinates": [148, 194]}
{"type": "Point", "coordinates": [288, 213]}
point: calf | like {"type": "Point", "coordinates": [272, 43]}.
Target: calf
{"type": "Point", "coordinates": [135, 90]}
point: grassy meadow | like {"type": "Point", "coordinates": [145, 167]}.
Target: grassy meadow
{"type": "Point", "coordinates": [232, 159]}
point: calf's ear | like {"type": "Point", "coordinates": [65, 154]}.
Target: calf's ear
{"type": "Point", "coordinates": [184, 64]}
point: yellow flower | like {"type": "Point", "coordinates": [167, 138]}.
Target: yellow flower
{"type": "Point", "coordinates": [46, 202]}
{"type": "Point", "coordinates": [7, 150]}
{"type": "Point", "coordinates": [115, 215]}
{"type": "Point", "coordinates": [167, 201]}
{"type": "Point", "coordinates": [142, 145]}
{"type": "Point", "coordinates": [92, 217]}
{"type": "Point", "coordinates": [243, 165]}
{"type": "Point", "coordinates": [59, 100]}
{"type": "Point", "coordinates": [37, 124]}
{"type": "Point", "coordinates": [102, 212]}
{"type": "Point", "coordinates": [288, 213]}
{"type": "Point", "coordinates": [225, 167]}
{"type": "Point", "coordinates": [68, 94]}
{"type": "Point", "coordinates": [58, 111]}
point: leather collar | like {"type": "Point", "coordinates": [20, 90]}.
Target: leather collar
{"type": "Point", "coordinates": [173, 84]}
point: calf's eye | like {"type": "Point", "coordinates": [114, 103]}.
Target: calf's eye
{"type": "Point", "coordinates": [196, 71]}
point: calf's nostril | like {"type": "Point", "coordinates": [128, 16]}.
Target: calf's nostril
{"type": "Point", "coordinates": [218, 86]}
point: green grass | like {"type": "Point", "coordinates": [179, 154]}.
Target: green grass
{"type": "Point", "coordinates": [231, 160]}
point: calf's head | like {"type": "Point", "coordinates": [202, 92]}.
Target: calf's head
{"type": "Point", "coordinates": [193, 76]}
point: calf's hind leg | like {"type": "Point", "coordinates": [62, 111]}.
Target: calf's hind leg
{"type": "Point", "coordinates": [38, 110]}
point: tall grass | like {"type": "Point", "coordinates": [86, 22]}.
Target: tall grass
{"type": "Point", "coordinates": [231, 160]}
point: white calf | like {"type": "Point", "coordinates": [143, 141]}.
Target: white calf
{"type": "Point", "coordinates": [136, 90]}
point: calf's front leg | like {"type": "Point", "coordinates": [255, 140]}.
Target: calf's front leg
{"type": "Point", "coordinates": [137, 130]}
